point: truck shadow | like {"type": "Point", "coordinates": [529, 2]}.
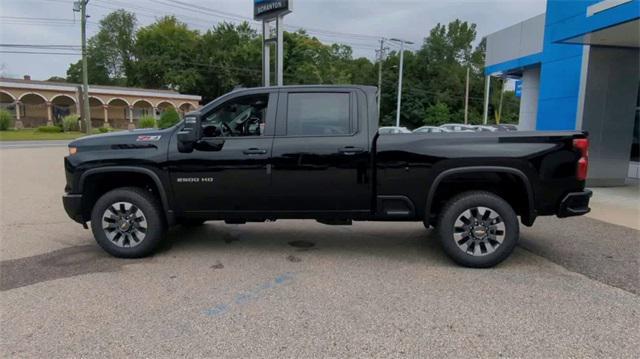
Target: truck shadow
{"type": "Point", "coordinates": [62, 263]}
{"type": "Point", "coordinates": [294, 241]}
{"type": "Point", "coordinates": [299, 240]}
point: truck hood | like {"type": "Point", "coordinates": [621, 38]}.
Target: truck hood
{"type": "Point", "coordinates": [131, 138]}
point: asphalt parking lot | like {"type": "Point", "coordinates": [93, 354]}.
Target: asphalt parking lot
{"type": "Point", "coordinates": [303, 289]}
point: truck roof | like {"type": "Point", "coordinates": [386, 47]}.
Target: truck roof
{"type": "Point", "coordinates": [365, 88]}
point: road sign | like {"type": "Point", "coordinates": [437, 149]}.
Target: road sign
{"type": "Point", "coordinates": [269, 9]}
{"type": "Point", "coordinates": [518, 89]}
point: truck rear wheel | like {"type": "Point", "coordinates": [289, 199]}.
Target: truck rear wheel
{"type": "Point", "coordinates": [128, 223]}
{"type": "Point", "coordinates": [478, 229]}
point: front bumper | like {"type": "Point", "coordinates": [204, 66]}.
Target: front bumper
{"type": "Point", "coordinates": [73, 206]}
{"type": "Point", "coordinates": [575, 204]}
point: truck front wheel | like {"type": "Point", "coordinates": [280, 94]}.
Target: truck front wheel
{"type": "Point", "coordinates": [478, 229]}
{"type": "Point", "coordinates": [128, 223]}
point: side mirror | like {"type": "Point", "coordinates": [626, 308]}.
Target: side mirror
{"type": "Point", "coordinates": [190, 133]}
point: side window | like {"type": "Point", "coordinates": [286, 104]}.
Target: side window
{"type": "Point", "coordinates": [318, 114]}
{"type": "Point", "coordinates": [243, 116]}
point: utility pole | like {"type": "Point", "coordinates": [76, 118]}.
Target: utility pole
{"type": "Point", "coordinates": [402, 42]}
{"type": "Point", "coordinates": [466, 100]}
{"type": "Point", "coordinates": [380, 54]}
{"type": "Point", "coordinates": [81, 5]}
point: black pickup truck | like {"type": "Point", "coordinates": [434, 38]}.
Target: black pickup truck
{"type": "Point", "coordinates": [313, 152]}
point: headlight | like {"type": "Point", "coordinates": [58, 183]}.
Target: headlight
{"type": "Point", "coordinates": [73, 151]}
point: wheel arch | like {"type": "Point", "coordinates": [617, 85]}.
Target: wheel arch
{"type": "Point", "coordinates": [528, 215]}
{"type": "Point", "coordinates": [86, 179]}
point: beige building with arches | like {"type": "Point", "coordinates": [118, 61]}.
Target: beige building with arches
{"type": "Point", "coordinates": [38, 103]}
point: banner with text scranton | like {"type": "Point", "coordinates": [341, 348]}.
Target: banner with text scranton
{"type": "Point", "coordinates": [263, 8]}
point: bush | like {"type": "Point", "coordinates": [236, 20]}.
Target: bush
{"type": "Point", "coordinates": [147, 122]}
{"type": "Point", "coordinates": [168, 118]}
{"type": "Point", "coordinates": [104, 129]}
{"type": "Point", "coordinates": [5, 119]}
{"type": "Point", "coordinates": [70, 123]}
{"type": "Point", "coordinates": [437, 114]}
{"type": "Point", "coordinates": [49, 129]}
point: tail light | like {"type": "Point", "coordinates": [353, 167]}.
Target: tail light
{"type": "Point", "coordinates": [582, 144]}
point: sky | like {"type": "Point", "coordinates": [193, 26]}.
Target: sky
{"type": "Point", "coordinates": [354, 22]}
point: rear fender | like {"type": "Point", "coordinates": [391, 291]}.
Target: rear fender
{"type": "Point", "coordinates": [527, 218]}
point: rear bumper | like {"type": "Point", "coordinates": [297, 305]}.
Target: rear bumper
{"type": "Point", "coordinates": [575, 204]}
{"type": "Point", "coordinates": [73, 206]}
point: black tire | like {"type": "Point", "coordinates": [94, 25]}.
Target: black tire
{"type": "Point", "coordinates": [152, 215]}
{"type": "Point", "coordinates": [190, 222]}
{"type": "Point", "coordinates": [489, 251]}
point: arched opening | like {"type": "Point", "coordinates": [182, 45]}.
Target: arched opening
{"type": "Point", "coordinates": [164, 105]}
{"type": "Point", "coordinates": [186, 107]}
{"type": "Point", "coordinates": [97, 109]}
{"type": "Point", "coordinates": [118, 113]}
{"type": "Point", "coordinates": [8, 102]}
{"type": "Point", "coordinates": [61, 106]}
{"type": "Point", "coordinates": [142, 108]}
{"type": "Point", "coordinates": [34, 110]}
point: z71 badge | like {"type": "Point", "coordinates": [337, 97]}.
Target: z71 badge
{"type": "Point", "coordinates": [148, 138]}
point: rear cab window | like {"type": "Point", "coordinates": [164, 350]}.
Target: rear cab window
{"type": "Point", "coordinates": [319, 114]}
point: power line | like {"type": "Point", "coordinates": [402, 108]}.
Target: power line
{"type": "Point", "coordinates": [202, 22]}
{"type": "Point", "coordinates": [200, 9]}
{"type": "Point", "coordinates": [226, 15]}
{"type": "Point", "coordinates": [41, 53]}
{"type": "Point", "coordinates": [25, 20]}
{"type": "Point", "coordinates": [48, 46]}
{"type": "Point", "coordinates": [34, 18]}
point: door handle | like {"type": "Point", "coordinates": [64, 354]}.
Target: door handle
{"type": "Point", "coordinates": [350, 150]}
{"type": "Point", "coordinates": [254, 151]}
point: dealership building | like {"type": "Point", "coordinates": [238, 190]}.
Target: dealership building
{"type": "Point", "coordinates": [578, 67]}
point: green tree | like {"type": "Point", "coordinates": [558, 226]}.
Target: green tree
{"type": "Point", "coordinates": [228, 55]}
{"type": "Point", "coordinates": [437, 114]}
{"type": "Point", "coordinates": [109, 52]}
{"type": "Point", "coordinates": [168, 55]}
{"type": "Point", "coordinates": [56, 79]}
{"type": "Point", "coordinates": [165, 51]}
{"type": "Point", "coordinates": [168, 118]}
{"type": "Point", "coordinates": [98, 74]}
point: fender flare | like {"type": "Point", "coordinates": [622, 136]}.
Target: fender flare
{"type": "Point", "coordinates": [526, 219]}
{"type": "Point", "coordinates": [145, 171]}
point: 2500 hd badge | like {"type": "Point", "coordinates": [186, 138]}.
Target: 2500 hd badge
{"type": "Point", "coordinates": [194, 179]}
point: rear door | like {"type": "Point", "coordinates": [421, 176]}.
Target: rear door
{"type": "Point", "coordinates": [321, 152]}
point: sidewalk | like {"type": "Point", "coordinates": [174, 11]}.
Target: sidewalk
{"type": "Point", "coordinates": [617, 205]}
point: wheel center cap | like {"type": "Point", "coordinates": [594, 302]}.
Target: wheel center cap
{"type": "Point", "coordinates": [479, 232]}
{"type": "Point", "coordinates": [124, 226]}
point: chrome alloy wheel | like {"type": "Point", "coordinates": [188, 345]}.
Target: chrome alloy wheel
{"type": "Point", "coordinates": [479, 231]}
{"type": "Point", "coordinates": [124, 224]}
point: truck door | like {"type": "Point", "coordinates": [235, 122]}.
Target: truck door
{"type": "Point", "coordinates": [321, 153]}
{"type": "Point", "coordinates": [228, 168]}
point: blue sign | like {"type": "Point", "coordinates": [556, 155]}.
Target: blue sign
{"type": "Point", "coordinates": [518, 88]}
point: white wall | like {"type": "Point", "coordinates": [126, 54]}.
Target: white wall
{"type": "Point", "coordinates": [514, 42]}
{"type": "Point", "coordinates": [529, 99]}
{"type": "Point", "coordinates": [609, 111]}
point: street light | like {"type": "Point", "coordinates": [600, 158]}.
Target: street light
{"type": "Point", "coordinates": [402, 42]}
